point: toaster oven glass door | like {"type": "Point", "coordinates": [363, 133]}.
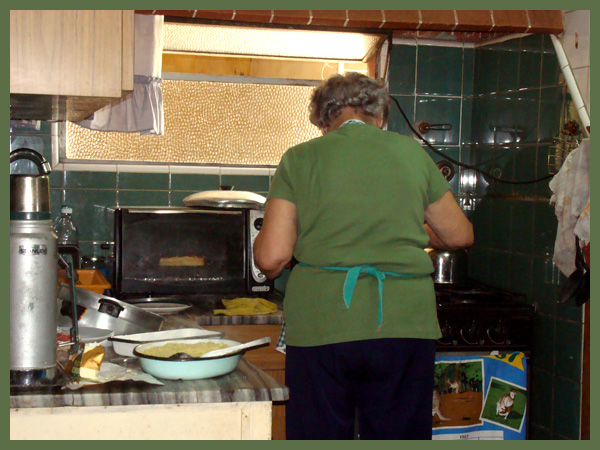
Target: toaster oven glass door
{"type": "Point", "coordinates": [182, 252]}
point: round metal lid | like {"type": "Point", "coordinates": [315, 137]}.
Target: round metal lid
{"type": "Point", "coordinates": [225, 199]}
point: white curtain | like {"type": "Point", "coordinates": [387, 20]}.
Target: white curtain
{"type": "Point", "coordinates": [141, 111]}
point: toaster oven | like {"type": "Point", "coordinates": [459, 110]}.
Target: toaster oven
{"type": "Point", "coordinates": [186, 251]}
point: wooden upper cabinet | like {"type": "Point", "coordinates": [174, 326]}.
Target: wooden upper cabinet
{"type": "Point", "coordinates": [72, 61]}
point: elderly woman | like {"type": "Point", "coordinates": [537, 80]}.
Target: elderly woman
{"type": "Point", "coordinates": [356, 207]}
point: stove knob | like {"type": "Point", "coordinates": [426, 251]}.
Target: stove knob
{"type": "Point", "coordinates": [471, 334]}
{"type": "Point", "coordinates": [498, 334]}
{"type": "Point", "coordinates": [448, 334]}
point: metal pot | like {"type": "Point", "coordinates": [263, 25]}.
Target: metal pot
{"type": "Point", "coordinates": [449, 266]}
{"type": "Point", "coordinates": [99, 311]}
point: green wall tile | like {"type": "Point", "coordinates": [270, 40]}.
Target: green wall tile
{"type": "Point", "coordinates": [545, 294]}
{"type": "Point", "coordinates": [569, 310]}
{"type": "Point", "coordinates": [176, 197]}
{"type": "Point", "coordinates": [478, 262]}
{"type": "Point", "coordinates": [253, 183]}
{"type": "Point", "coordinates": [484, 119]}
{"type": "Point", "coordinates": [192, 182]}
{"type": "Point", "coordinates": [567, 360]}
{"type": "Point", "coordinates": [439, 70]}
{"type": "Point", "coordinates": [468, 75]}
{"type": "Point", "coordinates": [56, 201]}
{"type": "Point", "coordinates": [508, 65]}
{"type": "Point", "coordinates": [500, 269]}
{"type": "Point", "coordinates": [551, 73]}
{"type": "Point", "coordinates": [541, 398]}
{"type": "Point", "coordinates": [90, 180]}
{"type": "Point", "coordinates": [92, 213]}
{"type": "Point", "coordinates": [530, 63]}
{"type": "Point", "coordinates": [396, 121]}
{"type": "Point", "coordinates": [486, 71]}
{"type": "Point", "coordinates": [544, 232]}
{"type": "Point", "coordinates": [466, 121]}
{"type": "Point", "coordinates": [566, 412]}
{"type": "Point", "coordinates": [521, 230]}
{"type": "Point", "coordinates": [151, 181]}
{"type": "Point", "coordinates": [451, 152]}
{"type": "Point", "coordinates": [551, 103]}
{"type": "Point", "coordinates": [525, 170]}
{"type": "Point", "coordinates": [438, 110]}
{"type": "Point", "coordinates": [402, 69]}
{"type": "Point", "coordinates": [527, 115]}
{"type": "Point", "coordinates": [56, 179]}
{"type": "Point", "coordinates": [520, 274]}
{"type": "Point", "coordinates": [143, 198]}
{"type": "Point", "coordinates": [543, 342]}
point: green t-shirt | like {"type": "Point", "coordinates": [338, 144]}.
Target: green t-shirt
{"type": "Point", "coordinates": [360, 194]}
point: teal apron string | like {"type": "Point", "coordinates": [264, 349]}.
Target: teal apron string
{"type": "Point", "coordinates": [352, 278]}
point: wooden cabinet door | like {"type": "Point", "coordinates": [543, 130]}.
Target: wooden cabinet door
{"type": "Point", "coordinates": [70, 52]}
{"type": "Point", "coordinates": [268, 359]}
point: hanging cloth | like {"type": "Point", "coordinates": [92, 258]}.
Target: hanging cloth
{"type": "Point", "coordinates": [140, 111]}
{"type": "Point", "coordinates": [571, 200]}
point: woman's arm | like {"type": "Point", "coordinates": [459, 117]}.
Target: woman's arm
{"type": "Point", "coordinates": [447, 225]}
{"type": "Point", "coordinates": [274, 245]}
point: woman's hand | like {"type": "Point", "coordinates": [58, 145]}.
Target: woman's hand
{"type": "Point", "coordinates": [274, 245]}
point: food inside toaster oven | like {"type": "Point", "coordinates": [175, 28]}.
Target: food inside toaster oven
{"type": "Point", "coordinates": [182, 261]}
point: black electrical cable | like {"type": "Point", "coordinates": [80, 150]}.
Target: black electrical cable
{"type": "Point", "coordinates": [458, 163]}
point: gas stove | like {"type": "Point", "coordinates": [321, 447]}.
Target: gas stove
{"type": "Point", "coordinates": [474, 317]}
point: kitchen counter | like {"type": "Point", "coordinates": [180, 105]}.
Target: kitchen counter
{"type": "Point", "coordinates": [202, 313]}
{"type": "Point", "coordinates": [234, 406]}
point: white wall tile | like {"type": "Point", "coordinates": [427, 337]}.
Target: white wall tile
{"type": "Point", "coordinates": [576, 39]}
{"type": "Point", "coordinates": [582, 76]}
{"type": "Point", "coordinates": [195, 170]}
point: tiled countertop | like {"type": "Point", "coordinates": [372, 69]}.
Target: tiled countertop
{"type": "Point", "coordinates": [246, 383]}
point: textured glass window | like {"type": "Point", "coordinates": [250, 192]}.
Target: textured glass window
{"type": "Point", "coordinates": [208, 122]}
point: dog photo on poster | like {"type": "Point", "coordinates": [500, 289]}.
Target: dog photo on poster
{"type": "Point", "coordinates": [480, 397]}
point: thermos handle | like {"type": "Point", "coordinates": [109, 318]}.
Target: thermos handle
{"type": "Point", "coordinates": [27, 153]}
{"type": "Point", "coordinates": [67, 260]}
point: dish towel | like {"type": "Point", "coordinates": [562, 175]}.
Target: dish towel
{"type": "Point", "coordinates": [571, 200]}
{"type": "Point", "coordinates": [140, 111]}
{"type": "Point", "coordinates": [247, 307]}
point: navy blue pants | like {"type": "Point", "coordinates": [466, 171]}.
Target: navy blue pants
{"type": "Point", "coordinates": [388, 382]}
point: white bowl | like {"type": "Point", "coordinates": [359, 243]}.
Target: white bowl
{"type": "Point", "coordinates": [125, 343]}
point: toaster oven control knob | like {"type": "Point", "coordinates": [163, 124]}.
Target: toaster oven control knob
{"type": "Point", "coordinates": [471, 334]}
{"type": "Point", "coordinates": [258, 223]}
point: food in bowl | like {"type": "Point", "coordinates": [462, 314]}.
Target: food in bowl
{"type": "Point", "coordinates": [195, 350]}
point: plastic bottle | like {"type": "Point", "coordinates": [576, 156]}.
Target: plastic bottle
{"type": "Point", "coordinates": [67, 232]}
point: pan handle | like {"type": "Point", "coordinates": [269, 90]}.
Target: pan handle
{"type": "Point", "coordinates": [109, 307]}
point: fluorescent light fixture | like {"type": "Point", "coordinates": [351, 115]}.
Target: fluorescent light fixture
{"type": "Point", "coordinates": [268, 42]}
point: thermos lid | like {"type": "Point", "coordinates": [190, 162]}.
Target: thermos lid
{"type": "Point", "coordinates": [30, 194]}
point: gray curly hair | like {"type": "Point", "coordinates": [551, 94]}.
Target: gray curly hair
{"type": "Point", "coordinates": [352, 89]}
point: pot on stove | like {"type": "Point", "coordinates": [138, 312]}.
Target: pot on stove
{"type": "Point", "coordinates": [449, 266]}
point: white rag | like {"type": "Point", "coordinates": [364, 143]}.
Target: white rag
{"type": "Point", "coordinates": [571, 200]}
{"type": "Point", "coordinates": [141, 110]}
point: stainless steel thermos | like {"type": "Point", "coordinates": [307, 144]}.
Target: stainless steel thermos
{"type": "Point", "coordinates": [33, 276]}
